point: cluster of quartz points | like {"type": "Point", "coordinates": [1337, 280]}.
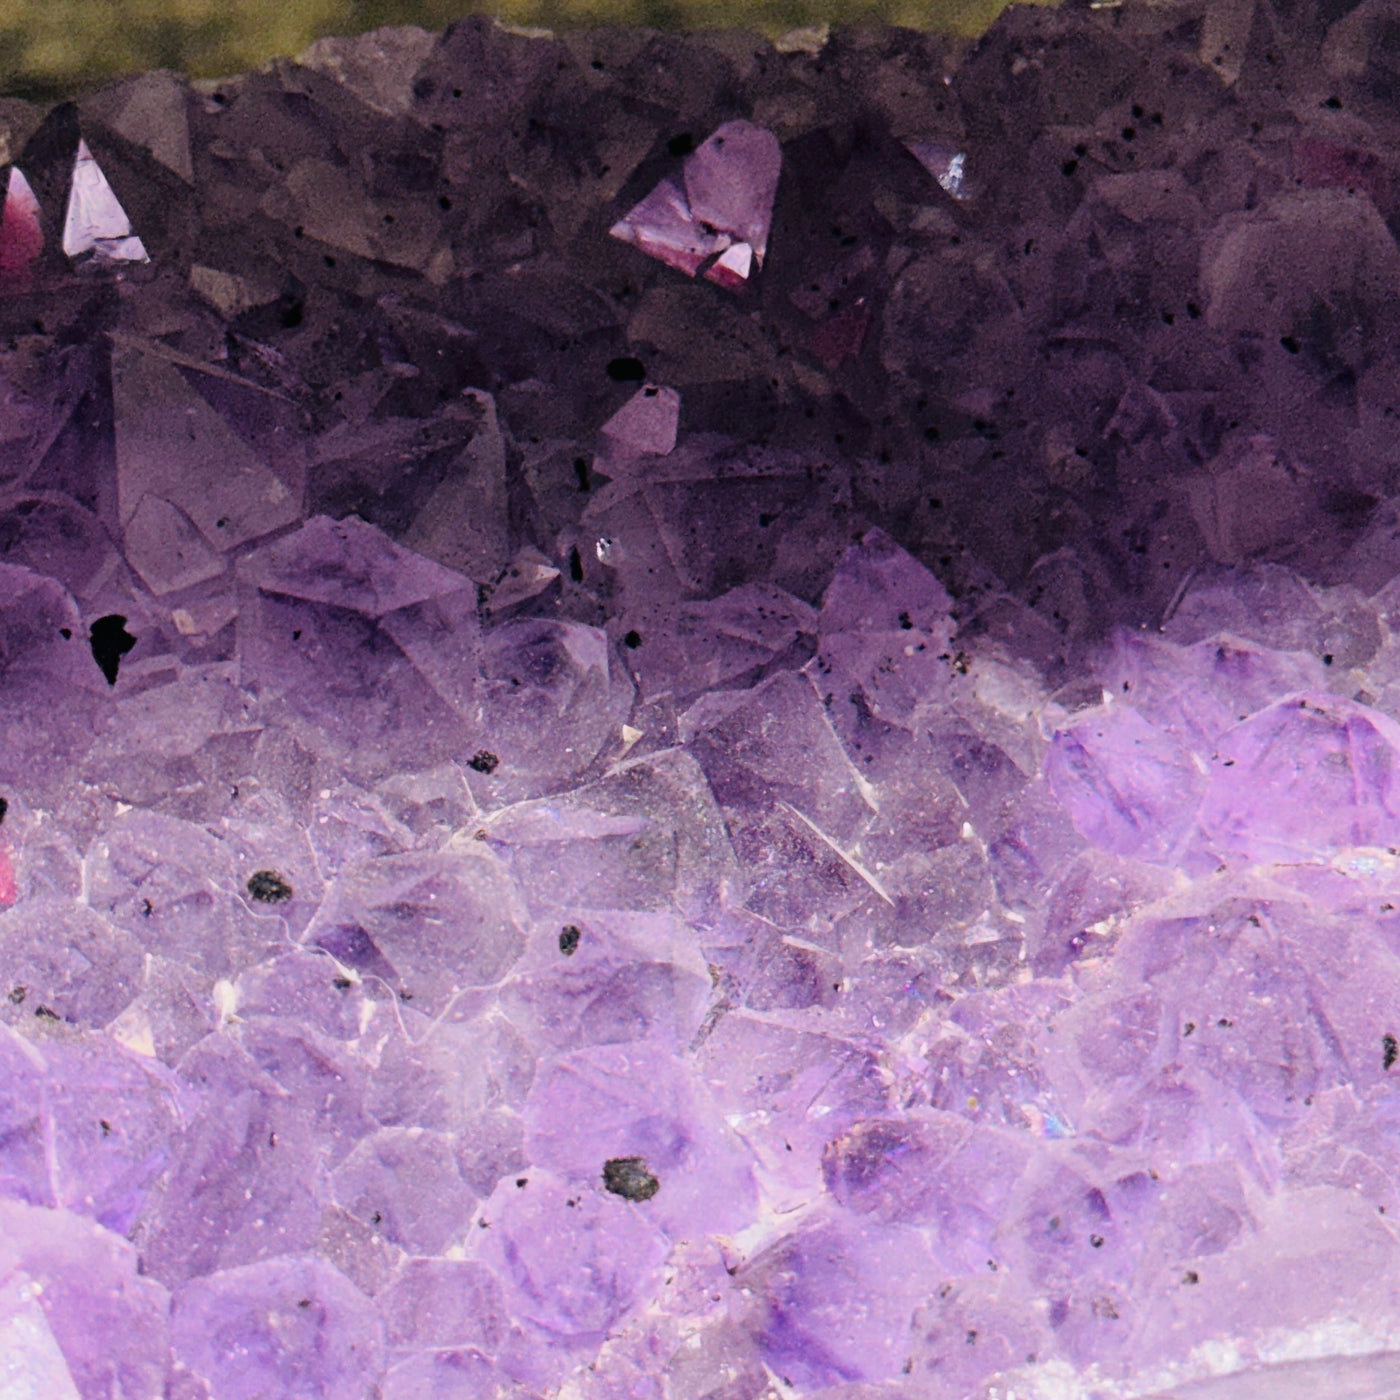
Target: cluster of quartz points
{"type": "Point", "coordinates": [513, 883]}
{"type": "Point", "coordinates": [448, 1010]}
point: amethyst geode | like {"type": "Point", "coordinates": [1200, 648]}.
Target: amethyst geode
{"type": "Point", "coordinates": [683, 719]}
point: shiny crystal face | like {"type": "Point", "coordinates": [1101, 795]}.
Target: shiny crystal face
{"type": "Point", "coordinates": [691, 719]}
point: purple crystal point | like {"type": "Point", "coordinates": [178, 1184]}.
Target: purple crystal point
{"type": "Point", "coordinates": [885, 626]}
{"type": "Point", "coordinates": [292, 1323]}
{"type": "Point", "coordinates": [731, 179]}
{"type": "Point", "coordinates": [663, 227]}
{"type": "Point", "coordinates": [1129, 788]}
{"type": "Point", "coordinates": [616, 1103]}
{"type": "Point", "coordinates": [96, 223]}
{"type": "Point", "coordinates": [1311, 774]}
{"type": "Point", "coordinates": [76, 1315]}
{"type": "Point", "coordinates": [831, 1301]}
{"type": "Point", "coordinates": [574, 1260]}
{"type": "Point", "coordinates": [726, 207]}
{"type": "Point", "coordinates": [21, 232]}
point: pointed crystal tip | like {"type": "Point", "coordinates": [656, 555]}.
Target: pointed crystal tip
{"type": "Point", "coordinates": [96, 222]}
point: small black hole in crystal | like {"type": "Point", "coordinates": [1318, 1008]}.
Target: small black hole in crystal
{"type": "Point", "coordinates": [626, 368]}
{"type": "Point", "coordinates": [483, 761]}
{"type": "Point", "coordinates": [569, 937]}
{"type": "Point", "coordinates": [110, 641]}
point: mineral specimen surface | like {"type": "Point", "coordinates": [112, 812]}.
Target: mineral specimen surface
{"type": "Point", "coordinates": [685, 719]}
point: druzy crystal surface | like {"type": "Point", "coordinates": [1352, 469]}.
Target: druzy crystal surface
{"type": "Point", "coordinates": [684, 719]}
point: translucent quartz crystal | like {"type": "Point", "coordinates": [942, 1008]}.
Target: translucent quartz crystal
{"type": "Point", "coordinates": [294, 1323]}
{"type": "Point", "coordinates": [96, 222]}
{"type": "Point", "coordinates": [21, 236]}
{"type": "Point", "coordinates": [726, 206]}
{"type": "Point", "coordinates": [822, 827]}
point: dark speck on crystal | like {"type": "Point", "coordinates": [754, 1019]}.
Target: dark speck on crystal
{"type": "Point", "coordinates": [626, 368]}
{"type": "Point", "coordinates": [629, 1178]}
{"type": "Point", "coordinates": [633, 639]}
{"type": "Point", "coordinates": [568, 939]}
{"type": "Point", "coordinates": [1390, 1050]}
{"type": "Point", "coordinates": [483, 762]}
{"type": "Point", "coordinates": [268, 887]}
{"type": "Point", "coordinates": [110, 642]}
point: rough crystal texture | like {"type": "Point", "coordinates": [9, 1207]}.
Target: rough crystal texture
{"type": "Point", "coordinates": [572, 829]}
{"type": "Point", "coordinates": [287, 1324]}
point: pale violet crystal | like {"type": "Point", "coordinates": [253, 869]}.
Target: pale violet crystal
{"type": "Point", "coordinates": [726, 207]}
{"type": "Point", "coordinates": [287, 1323]}
{"type": "Point", "coordinates": [663, 227]}
{"type": "Point", "coordinates": [96, 222]}
{"type": "Point", "coordinates": [21, 234]}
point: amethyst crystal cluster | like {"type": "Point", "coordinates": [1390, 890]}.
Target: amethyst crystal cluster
{"type": "Point", "coordinates": [694, 720]}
